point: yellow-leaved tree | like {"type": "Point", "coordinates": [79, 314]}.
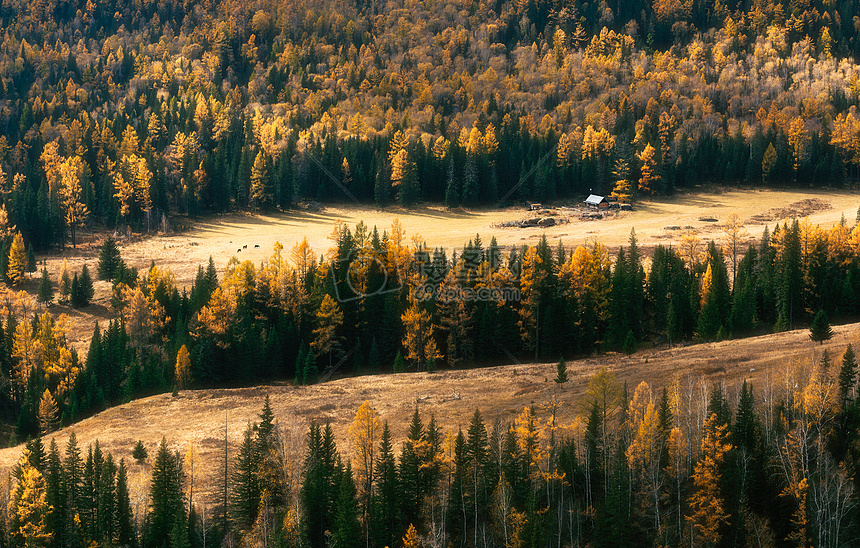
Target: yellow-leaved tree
{"type": "Point", "coordinates": [706, 502]}
{"type": "Point", "coordinates": [533, 275]}
{"type": "Point", "coordinates": [648, 177]}
{"type": "Point", "coordinates": [49, 416]}
{"type": "Point", "coordinates": [28, 507]}
{"type": "Point", "coordinates": [183, 368]}
{"type": "Point", "coordinates": [329, 319]}
{"type": "Point", "coordinates": [17, 260]}
{"type": "Point", "coordinates": [364, 434]}
{"type": "Point", "coordinates": [418, 338]}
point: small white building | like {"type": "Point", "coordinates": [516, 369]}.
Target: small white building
{"type": "Point", "coordinates": [597, 202]}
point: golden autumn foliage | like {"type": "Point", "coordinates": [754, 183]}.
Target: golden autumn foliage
{"type": "Point", "coordinates": [182, 374]}
{"type": "Point", "coordinates": [707, 504]}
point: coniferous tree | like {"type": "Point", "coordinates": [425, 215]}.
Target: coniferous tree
{"type": "Point", "coordinates": [45, 294]}
{"type": "Point", "coordinates": [847, 377]}
{"type": "Point", "coordinates": [820, 329]}
{"type": "Point", "coordinates": [385, 517]}
{"type": "Point", "coordinates": [346, 529]}
{"type": "Point", "coordinates": [561, 372]}
{"type": "Point", "coordinates": [318, 485]}
{"type": "Point", "coordinates": [139, 452]}
{"type": "Point", "coordinates": [28, 507]}
{"type": "Point", "coordinates": [245, 492]}
{"type": "Point", "coordinates": [31, 259]}
{"type": "Point", "coordinates": [167, 504]}
{"type": "Point", "coordinates": [109, 259]}
{"type": "Point", "coordinates": [17, 260]}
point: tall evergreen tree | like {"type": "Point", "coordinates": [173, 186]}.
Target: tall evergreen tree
{"type": "Point", "coordinates": [245, 491]}
{"type": "Point", "coordinates": [166, 500]}
{"type": "Point", "coordinates": [109, 259]}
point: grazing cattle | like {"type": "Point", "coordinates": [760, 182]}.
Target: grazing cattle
{"type": "Point", "coordinates": [239, 250]}
{"type": "Point", "coordinates": [245, 246]}
{"type": "Point", "coordinates": [256, 245]}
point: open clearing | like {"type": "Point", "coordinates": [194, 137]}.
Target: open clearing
{"type": "Point", "coordinates": [657, 221]}
{"type": "Point", "coordinates": [499, 391]}
{"type": "Point", "coordinates": [503, 392]}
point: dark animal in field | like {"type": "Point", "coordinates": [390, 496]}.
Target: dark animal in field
{"type": "Point", "coordinates": [256, 245]}
{"type": "Point", "coordinates": [245, 246]}
{"type": "Point", "coordinates": [239, 250]}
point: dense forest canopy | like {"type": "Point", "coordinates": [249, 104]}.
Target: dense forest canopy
{"type": "Point", "coordinates": [124, 114]}
{"type": "Point", "coordinates": [120, 113]}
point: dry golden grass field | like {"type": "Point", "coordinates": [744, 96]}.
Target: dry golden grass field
{"type": "Point", "coordinates": [502, 392]}
{"type": "Point", "coordinates": [499, 391]}
{"type": "Point", "coordinates": [656, 221]}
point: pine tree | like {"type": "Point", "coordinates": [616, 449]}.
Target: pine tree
{"type": "Point", "coordinates": [45, 293]}
{"type": "Point", "coordinates": [399, 364]}
{"type": "Point", "coordinates": [139, 452]}
{"type": "Point", "coordinates": [245, 492]}
{"type": "Point", "coordinates": [166, 499]}
{"type": "Point", "coordinates": [347, 529]}
{"type": "Point", "coordinates": [820, 329]}
{"type": "Point", "coordinates": [65, 281]}
{"type": "Point", "coordinates": [86, 287]}
{"type": "Point", "coordinates": [561, 372]}
{"type": "Point", "coordinates": [387, 492]}
{"type": "Point", "coordinates": [31, 259]}
{"type": "Point", "coordinates": [452, 188]}
{"type": "Point", "coordinates": [109, 259]}
{"type": "Point", "coordinates": [629, 347]}
{"type": "Point", "coordinates": [847, 376]}
{"type": "Point", "coordinates": [17, 260]}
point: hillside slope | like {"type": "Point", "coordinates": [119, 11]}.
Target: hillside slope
{"type": "Point", "coordinates": [199, 416]}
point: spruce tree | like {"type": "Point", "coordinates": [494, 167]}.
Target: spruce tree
{"type": "Point", "coordinates": [399, 364]}
{"type": "Point", "coordinates": [847, 376]}
{"type": "Point", "coordinates": [86, 286]}
{"type": "Point", "coordinates": [45, 294]}
{"type": "Point", "coordinates": [31, 259]}
{"type": "Point", "coordinates": [347, 529]}
{"type": "Point", "coordinates": [139, 452]}
{"type": "Point", "coordinates": [245, 492]}
{"type": "Point", "coordinates": [166, 499]}
{"type": "Point", "coordinates": [109, 259]}
{"type": "Point", "coordinates": [452, 188]}
{"type": "Point", "coordinates": [75, 292]}
{"type": "Point", "coordinates": [820, 329]}
{"type": "Point", "coordinates": [561, 372]}
{"type": "Point", "coordinates": [386, 507]}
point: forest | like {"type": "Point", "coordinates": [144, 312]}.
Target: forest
{"type": "Point", "coordinates": [124, 114]}
{"type": "Point", "coordinates": [693, 464]}
{"type": "Point", "coordinates": [374, 303]}
{"type": "Point", "coordinates": [128, 115]}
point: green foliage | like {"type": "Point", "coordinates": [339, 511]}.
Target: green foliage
{"type": "Point", "coordinates": [820, 329]}
{"type": "Point", "coordinates": [109, 259]}
{"type": "Point", "coordinates": [45, 293]}
{"type": "Point", "coordinates": [848, 376]}
{"type": "Point", "coordinates": [561, 372]}
{"type": "Point", "coordinates": [167, 505]}
{"type": "Point", "coordinates": [399, 363]}
{"type": "Point", "coordinates": [629, 346]}
{"type": "Point", "coordinates": [139, 453]}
